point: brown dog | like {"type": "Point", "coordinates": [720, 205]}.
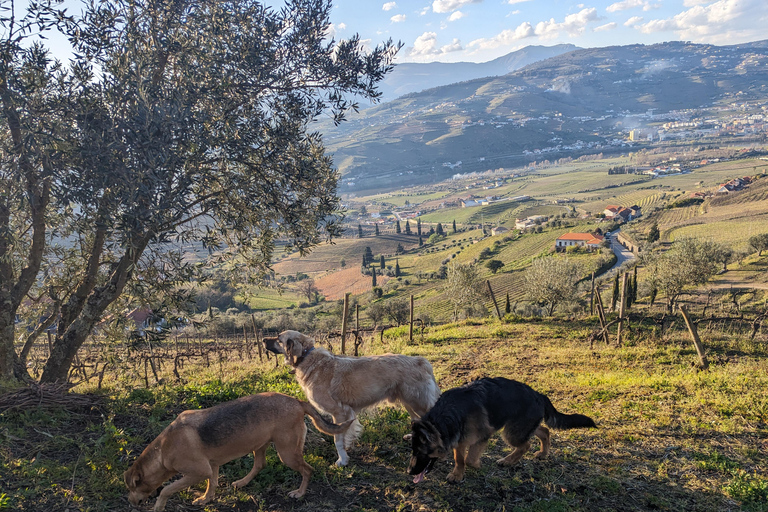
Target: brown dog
{"type": "Point", "coordinates": [197, 442]}
{"type": "Point", "coordinates": [343, 386]}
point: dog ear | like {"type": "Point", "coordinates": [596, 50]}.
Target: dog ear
{"type": "Point", "coordinates": [132, 478]}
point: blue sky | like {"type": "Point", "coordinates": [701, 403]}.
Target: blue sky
{"type": "Point", "coordinates": [481, 30]}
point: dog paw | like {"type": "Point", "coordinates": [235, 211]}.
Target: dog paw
{"type": "Point", "coordinates": [202, 500]}
{"type": "Point", "coordinates": [407, 437]}
{"type": "Point", "coordinates": [239, 484]}
{"type": "Point", "coordinates": [540, 455]}
{"type": "Point", "coordinates": [474, 463]}
{"type": "Point", "coordinates": [342, 462]}
{"type": "Point", "coordinates": [295, 494]}
{"type": "Point", "coordinates": [505, 462]}
{"type": "Point", "coordinates": [454, 479]}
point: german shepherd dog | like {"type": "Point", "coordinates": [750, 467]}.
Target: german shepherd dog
{"type": "Point", "coordinates": [343, 386]}
{"type": "Point", "coordinates": [464, 418]}
{"type": "Point", "coordinates": [197, 442]}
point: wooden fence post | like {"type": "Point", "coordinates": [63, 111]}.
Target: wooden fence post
{"type": "Point", "coordinates": [410, 324]}
{"type": "Point", "coordinates": [344, 324]}
{"type": "Point", "coordinates": [695, 336]}
{"type": "Point", "coordinates": [495, 304]}
{"type": "Point", "coordinates": [592, 297]}
{"type": "Point", "coordinates": [622, 308]}
{"type": "Point", "coordinates": [601, 316]}
{"type": "Point", "coordinates": [256, 334]}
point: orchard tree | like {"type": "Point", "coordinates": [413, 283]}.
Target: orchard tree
{"type": "Point", "coordinates": [551, 281]}
{"type": "Point", "coordinates": [494, 265]}
{"type": "Point", "coordinates": [759, 243]}
{"type": "Point", "coordinates": [307, 288]}
{"type": "Point", "coordinates": [689, 263]}
{"type": "Point", "coordinates": [464, 287]}
{"type": "Point", "coordinates": [190, 124]}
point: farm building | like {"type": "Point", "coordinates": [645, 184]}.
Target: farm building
{"type": "Point", "coordinates": [587, 240]}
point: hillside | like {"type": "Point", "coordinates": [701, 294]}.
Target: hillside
{"type": "Point", "coordinates": [583, 101]}
{"type": "Point", "coordinates": [415, 77]}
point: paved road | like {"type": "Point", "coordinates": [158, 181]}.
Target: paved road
{"type": "Point", "coordinates": [621, 253]}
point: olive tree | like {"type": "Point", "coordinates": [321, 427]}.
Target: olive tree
{"type": "Point", "coordinates": [464, 288]}
{"type": "Point", "coordinates": [192, 125]}
{"type": "Point", "coordinates": [689, 263]}
{"type": "Point", "coordinates": [551, 281]}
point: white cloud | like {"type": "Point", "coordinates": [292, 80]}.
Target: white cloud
{"type": "Point", "coordinates": [634, 20]}
{"type": "Point", "coordinates": [426, 45]}
{"type": "Point", "coordinates": [691, 3]}
{"type": "Point", "coordinates": [455, 46]}
{"type": "Point", "coordinates": [573, 24]}
{"type": "Point", "coordinates": [505, 38]}
{"type": "Point", "coordinates": [722, 22]}
{"type": "Point", "coordinates": [397, 18]}
{"type": "Point", "coordinates": [624, 5]}
{"type": "Point", "coordinates": [608, 26]}
{"type": "Point", "coordinates": [516, 11]}
{"type": "Point", "coordinates": [333, 29]}
{"type": "Point", "coordinates": [424, 11]}
{"type": "Point", "coordinates": [456, 15]}
{"type": "Point", "coordinates": [451, 5]}
{"type": "Point", "coordinates": [389, 6]}
{"type": "Point", "coordinates": [513, 2]}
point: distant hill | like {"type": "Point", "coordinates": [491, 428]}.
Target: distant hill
{"type": "Point", "coordinates": [415, 77]}
{"type": "Point", "coordinates": [583, 101]}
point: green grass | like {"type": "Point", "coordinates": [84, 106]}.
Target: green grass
{"type": "Point", "coordinates": [669, 436]}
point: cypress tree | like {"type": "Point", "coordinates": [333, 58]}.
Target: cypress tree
{"type": "Point", "coordinates": [439, 229]}
{"type": "Point", "coordinates": [397, 227]}
{"type": "Point", "coordinates": [407, 227]}
{"type": "Point", "coordinates": [381, 261]}
{"type": "Point", "coordinates": [373, 278]}
{"type": "Point", "coordinates": [507, 306]}
{"type": "Point", "coordinates": [615, 297]}
{"type": "Point", "coordinates": [421, 242]}
{"type": "Point", "coordinates": [397, 268]}
{"type": "Point", "coordinates": [418, 226]}
{"type": "Point", "coordinates": [359, 231]}
{"type": "Point", "coordinates": [454, 226]}
{"type": "Point", "coordinates": [376, 226]}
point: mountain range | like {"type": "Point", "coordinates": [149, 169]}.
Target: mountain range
{"type": "Point", "coordinates": [415, 77]}
{"type": "Point", "coordinates": [581, 101]}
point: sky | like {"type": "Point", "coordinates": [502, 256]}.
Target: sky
{"type": "Point", "coordinates": [481, 30]}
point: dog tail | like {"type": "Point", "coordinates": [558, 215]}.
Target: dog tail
{"type": "Point", "coordinates": [558, 420]}
{"type": "Point", "coordinates": [322, 424]}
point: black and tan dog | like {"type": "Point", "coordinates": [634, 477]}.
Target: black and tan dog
{"type": "Point", "coordinates": [464, 418]}
{"type": "Point", "coordinates": [197, 442]}
{"type": "Point", "coordinates": [343, 386]}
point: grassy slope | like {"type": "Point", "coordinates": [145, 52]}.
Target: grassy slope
{"type": "Point", "coordinates": [669, 437]}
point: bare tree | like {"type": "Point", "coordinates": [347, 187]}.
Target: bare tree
{"type": "Point", "coordinates": [307, 288]}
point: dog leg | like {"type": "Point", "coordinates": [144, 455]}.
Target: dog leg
{"type": "Point", "coordinates": [182, 483]}
{"type": "Point", "coordinates": [291, 452]}
{"type": "Point", "coordinates": [474, 453]}
{"type": "Point", "coordinates": [340, 439]}
{"type": "Point", "coordinates": [457, 475]}
{"type": "Point", "coordinates": [213, 482]}
{"type": "Point", "coordinates": [259, 461]}
{"type": "Point", "coordinates": [516, 455]}
{"type": "Point", "coordinates": [542, 433]}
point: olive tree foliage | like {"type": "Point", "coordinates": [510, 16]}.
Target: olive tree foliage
{"type": "Point", "coordinates": [464, 289]}
{"type": "Point", "coordinates": [35, 108]}
{"type": "Point", "coordinates": [689, 263]}
{"type": "Point", "coordinates": [551, 281]}
{"type": "Point", "coordinates": [192, 125]}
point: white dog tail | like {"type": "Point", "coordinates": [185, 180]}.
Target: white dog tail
{"type": "Point", "coordinates": [322, 424]}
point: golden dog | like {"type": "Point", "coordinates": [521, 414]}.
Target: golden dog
{"type": "Point", "coordinates": [343, 386]}
{"type": "Point", "coordinates": [197, 442]}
